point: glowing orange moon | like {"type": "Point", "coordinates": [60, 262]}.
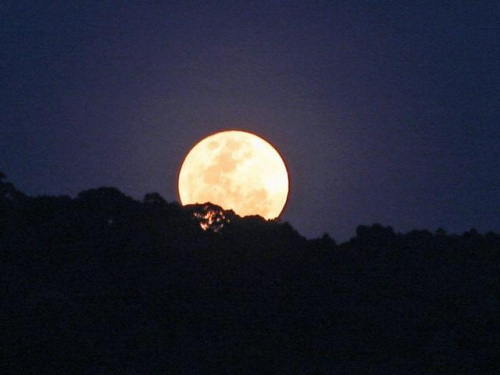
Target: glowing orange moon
{"type": "Point", "coordinates": [235, 170]}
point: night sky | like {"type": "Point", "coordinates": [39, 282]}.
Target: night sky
{"type": "Point", "coordinates": [385, 111]}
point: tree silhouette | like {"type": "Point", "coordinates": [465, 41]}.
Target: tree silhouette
{"type": "Point", "coordinates": [102, 283]}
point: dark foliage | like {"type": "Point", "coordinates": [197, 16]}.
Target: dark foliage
{"type": "Point", "coordinates": [105, 284]}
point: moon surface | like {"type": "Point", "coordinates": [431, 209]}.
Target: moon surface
{"type": "Point", "coordinates": [238, 171]}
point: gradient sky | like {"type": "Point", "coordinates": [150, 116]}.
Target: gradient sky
{"type": "Point", "coordinates": [385, 111]}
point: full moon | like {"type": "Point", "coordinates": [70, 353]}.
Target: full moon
{"type": "Point", "coordinates": [238, 171]}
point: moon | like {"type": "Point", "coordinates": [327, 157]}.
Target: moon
{"type": "Point", "coordinates": [238, 171]}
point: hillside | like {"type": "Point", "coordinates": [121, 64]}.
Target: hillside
{"type": "Point", "coordinates": [105, 284]}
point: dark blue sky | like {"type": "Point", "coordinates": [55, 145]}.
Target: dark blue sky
{"type": "Point", "coordinates": [385, 111]}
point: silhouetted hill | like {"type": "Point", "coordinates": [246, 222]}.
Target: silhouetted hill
{"type": "Point", "coordinates": [105, 284]}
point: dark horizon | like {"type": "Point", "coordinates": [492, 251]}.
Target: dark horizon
{"type": "Point", "coordinates": [12, 190]}
{"type": "Point", "coordinates": [104, 284]}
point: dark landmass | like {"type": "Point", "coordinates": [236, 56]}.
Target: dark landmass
{"type": "Point", "coordinates": [105, 284]}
